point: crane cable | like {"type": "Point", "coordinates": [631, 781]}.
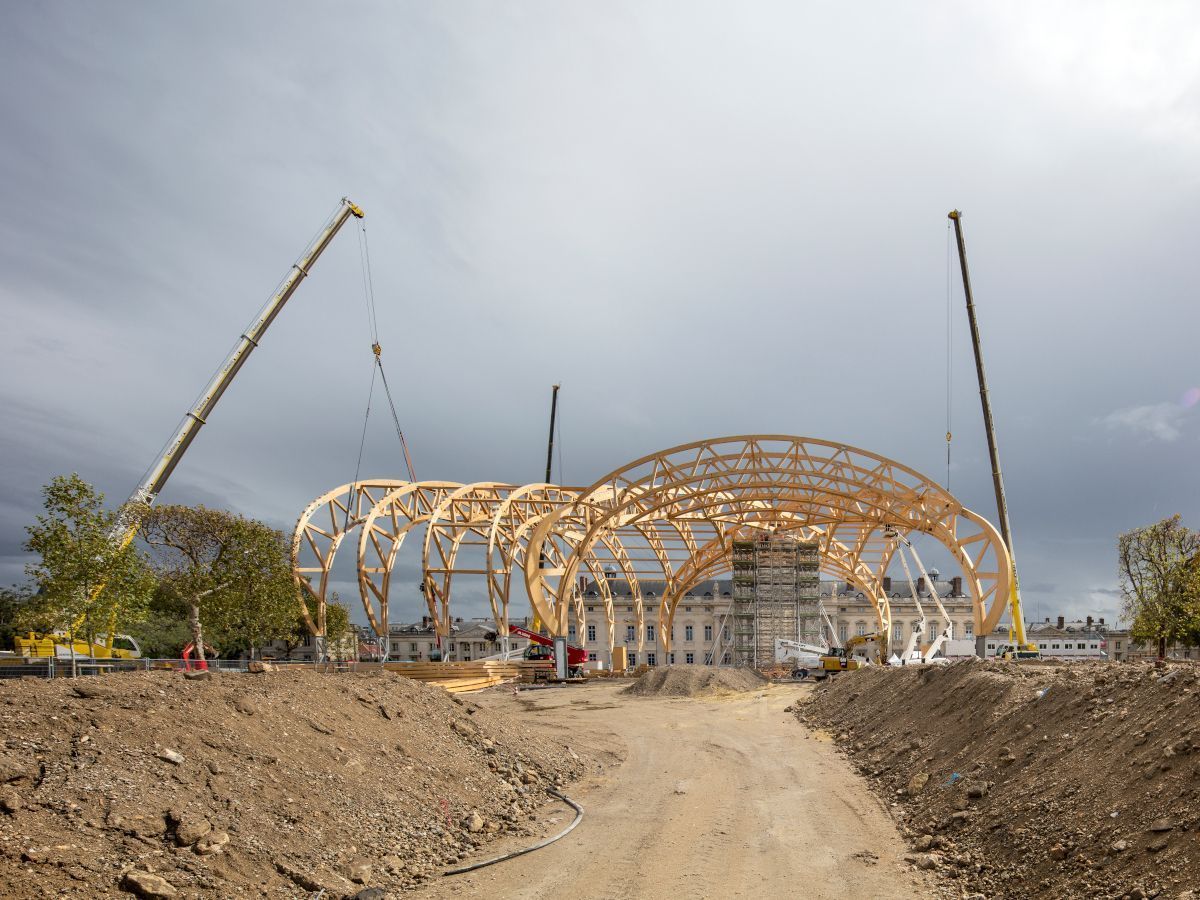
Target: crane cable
{"type": "Point", "coordinates": [377, 350]}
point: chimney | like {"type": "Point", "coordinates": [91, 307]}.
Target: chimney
{"type": "Point", "coordinates": [1089, 623]}
{"type": "Point", "coordinates": [1047, 620]}
{"type": "Point", "coordinates": [1061, 623]}
{"type": "Point", "coordinates": [887, 585]}
{"type": "Point", "coordinates": [956, 586]}
{"type": "Point", "coordinates": [424, 621]}
{"type": "Point", "coordinates": [1102, 620]}
{"type": "Point", "coordinates": [849, 587]}
{"type": "Point", "coordinates": [921, 585]}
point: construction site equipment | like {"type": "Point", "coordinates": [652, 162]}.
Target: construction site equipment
{"type": "Point", "coordinates": [60, 645]}
{"type": "Point", "coordinates": [156, 477]}
{"type": "Point", "coordinates": [542, 648]}
{"type": "Point", "coordinates": [1018, 620]}
{"type": "Point", "coordinates": [776, 596]}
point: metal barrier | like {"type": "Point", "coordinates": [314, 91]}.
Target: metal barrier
{"type": "Point", "coordinates": [51, 667]}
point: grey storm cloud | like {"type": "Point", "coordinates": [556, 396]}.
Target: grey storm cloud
{"type": "Point", "coordinates": [702, 219]}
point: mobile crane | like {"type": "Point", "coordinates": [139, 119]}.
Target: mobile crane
{"type": "Point", "coordinates": [542, 648]}
{"type": "Point", "coordinates": [129, 521]}
{"type": "Point", "coordinates": [1023, 648]}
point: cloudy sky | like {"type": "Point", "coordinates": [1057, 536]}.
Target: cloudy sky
{"type": "Point", "coordinates": [702, 218]}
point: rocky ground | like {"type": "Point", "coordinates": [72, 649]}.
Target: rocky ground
{"type": "Point", "coordinates": [278, 784]}
{"type": "Point", "coordinates": [694, 681]}
{"type": "Point", "coordinates": [1032, 780]}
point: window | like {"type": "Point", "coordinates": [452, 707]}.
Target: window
{"type": "Point", "coordinates": [1118, 645]}
{"type": "Point", "coordinates": [670, 659]}
{"type": "Point", "coordinates": [726, 659]}
{"type": "Point", "coordinates": [1081, 646]}
{"type": "Point", "coordinates": [689, 658]}
{"type": "Point", "coordinates": [451, 646]}
{"type": "Point", "coordinates": [395, 648]}
{"type": "Point", "coordinates": [1054, 646]}
{"type": "Point", "coordinates": [632, 657]}
{"type": "Point", "coordinates": [1041, 645]}
{"type": "Point", "coordinates": [897, 632]}
{"type": "Point", "coordinates": [708, 659]}
{"type": "Point", "coordinates": [592, 656]}
{"type": "Point", "coordinates": [591, 632]}
{"type": "Point", "coordinates": [650, 660]}
{"type": "Point", "coordinates": [591, 609]}
{"type": "Point", "coordinates": [708, 632]}
{"type": "Point", "coordinates": [969, 629]}
{"type": "Point", "coordinates": [687, 632]}
{"type": "Point", "coordinates": [842, 632]}
{"type": "Point", "coordinates": [725, 633]}
{"type": "Point", "coordinates": [672, 632]}
{"type": "Point", "coordinates": [860, 628]}
{"type": "Point", "coordinates": [412, 648]}
{"type": "Point", "coordinates": [628, 633]}
{"type": "Point", "coordinates": [687, 609]}
{"type": "Point", "coordinates": [650, 633]}
{"type": "Point", "coordinates": [571, 632]}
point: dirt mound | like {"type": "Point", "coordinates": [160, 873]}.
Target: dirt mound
{"type": "Point", "coordinates": [1033, 781]}
{"type": "Point", "coordinates": [694, 681]}
{"type": "Point", "coordinates": [264, 785]}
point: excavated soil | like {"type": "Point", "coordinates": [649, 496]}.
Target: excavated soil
{"type": "Point", "coordinates": [694, 681]}
{"type": "Point", "coordinates": [1027, 780]}
{"type": "Point", "coordinates": [279, 785]}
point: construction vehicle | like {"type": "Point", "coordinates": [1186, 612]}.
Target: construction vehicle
{"type": "Point", "coordinates": [108, 645]}
{"type": "Point", "coordinates": [842, 659]}
{"type": "Point", "coordinates": [803, 658]}
{"type": "Point", "coordinates": [542, 648]}
{"type": "Point", "coordinates": [1013, 651]}
{"type": "Point", "coordinates": [59, 645]}
{"type": "Point", "coordinates": [1022, 643]}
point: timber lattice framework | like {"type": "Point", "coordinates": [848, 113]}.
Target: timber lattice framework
{"type": "Point", "coordinates": [670, 518]}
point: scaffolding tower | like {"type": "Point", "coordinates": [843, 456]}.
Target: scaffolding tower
{"type": "Point", "coordinates": [776, 594]}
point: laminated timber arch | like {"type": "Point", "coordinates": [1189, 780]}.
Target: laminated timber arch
{"type": "Point", "coordinates": [670, 517]}
{"type": "Point", "coordinates": [857, 499]}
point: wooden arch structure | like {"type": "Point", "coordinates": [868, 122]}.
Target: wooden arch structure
{"type": "Point", "coordinates": [669, 519]}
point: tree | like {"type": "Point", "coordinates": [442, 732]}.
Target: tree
{"type": "Point", "coordinates": [85, 574]}
{"type": "Point", "coordinates": [12, 600]}
{"type": "Point", "coordinates": [1159, 573]}
{"type": "Point", "coordinates": [231, 572]}
{"type": "Point", "coordinates": [339, 633]}
{"type": "Point", "coordinates": [165, 630]}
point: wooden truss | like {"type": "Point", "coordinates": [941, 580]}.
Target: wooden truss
{"type": "Point", "coordinates": [668, 519]}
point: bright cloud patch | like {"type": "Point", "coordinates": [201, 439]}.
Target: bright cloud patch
{"type": "Point", "coordinates": [1160, 421]}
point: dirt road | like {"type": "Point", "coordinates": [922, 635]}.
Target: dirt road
{"type": "Point", "coordinates": [724, 797]}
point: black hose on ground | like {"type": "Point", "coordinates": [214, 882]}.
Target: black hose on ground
{"type": "Point", "coordinates": [538, 846]}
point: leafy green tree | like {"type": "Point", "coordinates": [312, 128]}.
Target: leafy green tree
{"type": "Point", "coordinates": [1159, 574]}
{"type": "Point", "coordinates": [231, 572]}
{"type": "Point", "coordinates": [12, 600]}
{"type": "Point", "coordinates": [87, 577]}
{"type": "Point", "coordinates": [165, 630]}
{"type": "Point", "coordinates": [340, 638]}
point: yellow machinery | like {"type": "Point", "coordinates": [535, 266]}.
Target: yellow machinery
{"type": "Point", "coordinates": [842, 659]}
{"type": "Point", "coordinates": [109, 645]}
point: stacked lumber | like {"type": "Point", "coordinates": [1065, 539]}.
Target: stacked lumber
{"type": "Point", "coordinates": [460, 677]}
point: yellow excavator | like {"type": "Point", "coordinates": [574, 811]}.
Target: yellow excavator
{"type": "Point", "coordinates": [118, 646]}
{"type": "Point", "coordinates": [842, 659]}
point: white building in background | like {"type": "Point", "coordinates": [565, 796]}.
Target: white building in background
{"type": "Point", "coordinates": [703, 624]}
{"type": "Point", "coordinates": [1077, 640]}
